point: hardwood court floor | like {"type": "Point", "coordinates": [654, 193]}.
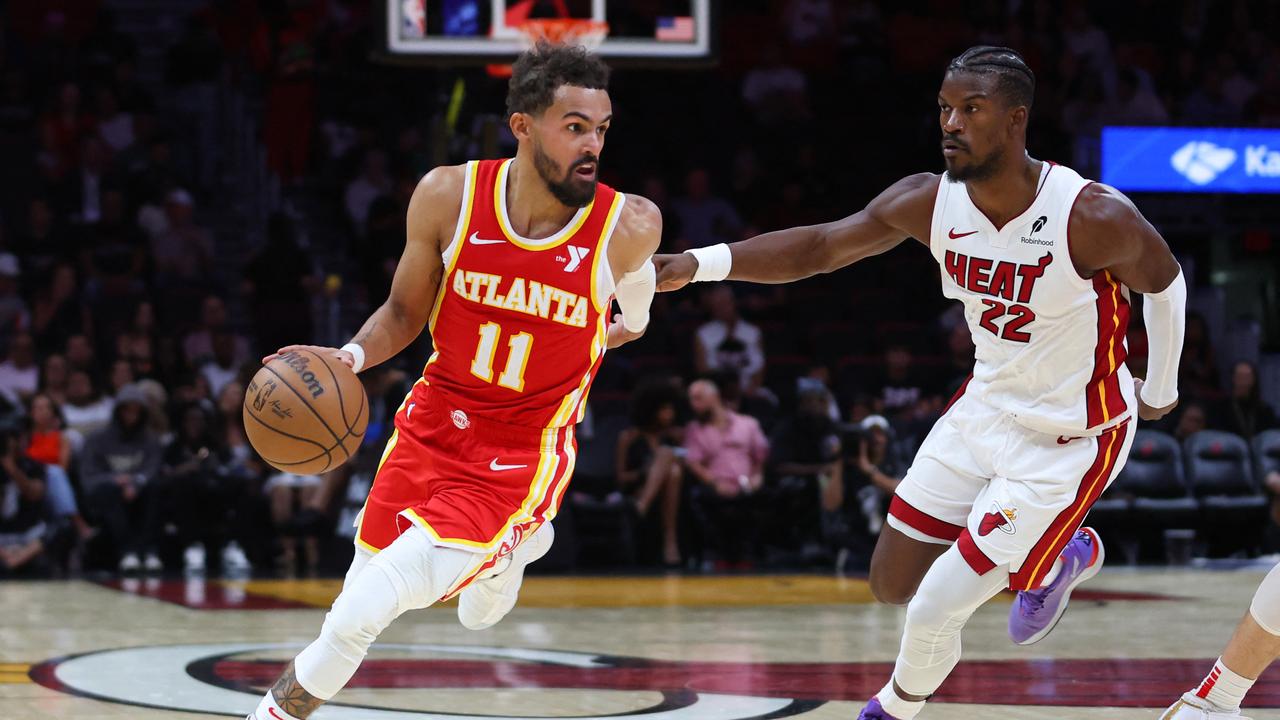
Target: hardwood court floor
{"type": "Point", "coordinates": [657, 648]}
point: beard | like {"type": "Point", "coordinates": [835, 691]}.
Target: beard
{"type": "Point", "coordinates": [975, 169]}
{"type": "Point", "coordinates": [569, 190]}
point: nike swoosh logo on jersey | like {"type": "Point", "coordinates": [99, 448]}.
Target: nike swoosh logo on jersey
{"type": "Point", "coordinates": [409, 410]}
{"type": "Point", "coordinates": [494, 466]}
{"type": "Point", "coordinates": [1063, 439]}
{"type": "Point", "coordinates": [956, 236]}
{"type": "Point", "coordinates": [274, 714]}
{"type": "Point", "coordinates": [476, 240]}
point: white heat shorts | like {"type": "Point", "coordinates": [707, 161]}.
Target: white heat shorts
{"type": "Point", "coordinates": [1010, 496]}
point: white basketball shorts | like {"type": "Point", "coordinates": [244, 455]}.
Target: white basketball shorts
{"type": "Point", "coordinates": [1010, 496]}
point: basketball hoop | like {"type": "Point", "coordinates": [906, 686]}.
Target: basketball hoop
{"type": "Point", "coordinates": [564, 31]}
{"type": "Point", "coordinates": [589, 34]}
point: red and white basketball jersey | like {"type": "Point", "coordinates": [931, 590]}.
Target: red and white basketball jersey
{"type": "Point", "coordinates": [1050, 345]}
{"type": "Point", "coordinates": [519, 325]}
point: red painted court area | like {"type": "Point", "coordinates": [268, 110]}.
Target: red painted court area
{"type": "Point", "coordinates": [1061, 683]}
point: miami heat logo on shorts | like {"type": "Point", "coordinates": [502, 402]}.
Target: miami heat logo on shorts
{"type": "Point", "coordinates": [999, 518]}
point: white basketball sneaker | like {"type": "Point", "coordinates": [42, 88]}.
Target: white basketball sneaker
{"type": "Point", "coordinates": [1190, 707]}
{"type": "Point", "coordinates": [488, 599]}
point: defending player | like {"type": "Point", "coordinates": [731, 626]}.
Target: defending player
{"type": "Point", "coordinates": [1255, 644]}
{"type": "Point", "coordinates": [1043, 261]}
{"type": "Point", "coordinates": [513, 263]}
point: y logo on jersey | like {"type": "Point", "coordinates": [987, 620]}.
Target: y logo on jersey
{"type": "Point", "coordinates": [576, 256]}
{"type": "Point", "coordinates": [1000, 518]}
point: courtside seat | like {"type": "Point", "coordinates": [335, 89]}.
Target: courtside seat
{"type": "Point", "coordinates": [602, 516]}
{"type": "Point", "coordinates": [1149, 496]}
{"type": "Point", "coordinates": [1220, 472]}
{"type": "Point", "coordinates": [1266, 456]}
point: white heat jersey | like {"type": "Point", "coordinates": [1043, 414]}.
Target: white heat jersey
{"type": "Point", "coordinates": [1050, 345]}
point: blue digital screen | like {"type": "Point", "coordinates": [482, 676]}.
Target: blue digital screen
{"type": "Point", "coordinates": [1194, 160]}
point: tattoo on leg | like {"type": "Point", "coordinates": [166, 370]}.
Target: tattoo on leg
{"type": "Point", "coordinates": [290, 696]}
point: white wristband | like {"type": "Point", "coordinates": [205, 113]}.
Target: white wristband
{"type": "Point", "coordinates": [357, 353]}
{"type": "Point", "coordinates": [714, 262]}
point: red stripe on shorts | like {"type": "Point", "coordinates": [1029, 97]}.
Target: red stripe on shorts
{"type": "Point", "coordinates": [927, 524]}
{"type": "Point", "coordinates": [1047, 549]}
{"type": "Point", "coordinates": [973, 555]}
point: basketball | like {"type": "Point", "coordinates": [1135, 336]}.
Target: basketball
{"type": "Point", "coordinates": [305, 413]}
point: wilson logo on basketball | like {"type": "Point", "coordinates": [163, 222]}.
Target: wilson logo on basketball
{"type": "Point", "coordinates": [299, 365]}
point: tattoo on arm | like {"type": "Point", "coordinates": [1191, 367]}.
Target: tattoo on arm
{"type": "Point", "coordinates": [367, 331]}
{"type": "Point", "coordinates": [290, 696]}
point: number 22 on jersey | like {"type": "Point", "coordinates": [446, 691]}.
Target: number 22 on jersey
{"type": "Point", "coordinates": [512, 376]}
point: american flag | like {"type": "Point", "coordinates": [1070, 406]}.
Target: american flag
{"type": "Point", "coordinates": [675, 29]}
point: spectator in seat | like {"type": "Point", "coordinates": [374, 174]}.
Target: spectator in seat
{"type": "Point", "coordinates": [876, 470]}
{"type": "Point", "coordinates": [58, 311]}
{"type": "Point", "coordinates": [648, 460]}
{"type": "Point", "coordinates": [139, 341]}
{"type": "Point", "coordinates": [729, 343]}
{"type": "Point", "coordinates": [85, 411]}
{"type": "Point", "coordinates": [197, 347]}
{"type": "Point", "coordinates": [297, 513]}
{"type": "Point", "coordinates": [372, 182]}
{"type": "Point", "coordinates": [121, 375]}
{"type": "Point", "coordinates": [725, 454]}
{"type": "Point", "coordinates": [705, 218]}
{"type": "Point", "coordinates": [24, 531]}
{"type": "Point", "coordinates": [54, 374]}
{"type": "Point", "coordinates": [80, 353]}
{"type": "Point", "coordinates": [898, 389]}
{"type": "Point", "coordinates": [198, 491]}
{"type": "Point", "coordinates": [19, 376]}
{"type": "Point", "coordinates": [805, 454]}
{"type": "Point", "coordinates": [280, 280]}
{"type": "Point", "coordinates": [1244, 412]}
{"type": "Point", "coordinates": [1198, 369]}
{"type": "Point", "coordinates": [14, 315]}
{"type": "Point", "coordinates": [222, 369]}
{"type": "Point", "coordinates": [119, 465]}
{"type": "Point", "coordinates": [1191, 420]}
{"type": "Point", "coordinates": [47, 444]}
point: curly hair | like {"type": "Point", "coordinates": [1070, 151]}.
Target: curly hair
{"type": "Point", "coordinates": [539, 72]}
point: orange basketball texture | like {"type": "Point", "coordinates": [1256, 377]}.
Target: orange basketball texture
{"type": "Point", "coordinates": [305, 413]}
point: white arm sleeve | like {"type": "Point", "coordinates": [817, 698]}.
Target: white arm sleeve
{"type": "Point", "coordinates": [635, 294]}
{"type": "Point", "coordinates": [1165, 313]}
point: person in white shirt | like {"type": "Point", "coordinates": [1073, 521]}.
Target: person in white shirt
{"type": "Point", "coordinates": [19, 374]}
{"type": "Point", "coordinates": [727, 342]}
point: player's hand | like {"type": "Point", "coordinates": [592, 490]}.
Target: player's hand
{"type": "Point", "coordinates": [674, 270]}
{"type": "Point", "coordinates": [341, 355]}
{"type": "Point", "coordinates": [619, 334]}
{"type": "Point", "coordinates": [1145, 411]}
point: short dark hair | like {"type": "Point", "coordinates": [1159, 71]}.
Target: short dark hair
{"type": "Point", "coordinates": [540, 71]}
{"type": "Point", "coordinates": [1015, 81]}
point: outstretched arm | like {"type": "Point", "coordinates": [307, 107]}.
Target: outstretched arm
{"type": "Point", "coordinates": [430, 221]}
{"type": "Point", "coordinates": [1111, 236]}
{"type": "Point", "coordinates": [901, 211]}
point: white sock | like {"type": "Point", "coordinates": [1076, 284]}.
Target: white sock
{"type": "Point", "coordinates": [896, 706]}
{"type": "Point", "coordinates": [269, 710]}
{"type": "Point", "coordinates": [1053, 573]}
{"type": "Point", "coordinates": [1223, 688]}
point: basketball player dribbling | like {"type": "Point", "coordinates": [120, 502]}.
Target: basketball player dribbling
{"type": "Point", "coordinates": [1254, 646]}
{"type": "Point", "coordinates": [513, 263]}
{"type": "Point", "coordinates": [1043, 262]}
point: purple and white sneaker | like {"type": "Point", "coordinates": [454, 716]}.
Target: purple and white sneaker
{"type": "Point", "coordinates": [873, 711]}
{"type": "Point", "coordinates": [1035, 612]}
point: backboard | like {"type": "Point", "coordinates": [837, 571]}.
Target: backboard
{"type": "Point", "coordinates": [488, 31]}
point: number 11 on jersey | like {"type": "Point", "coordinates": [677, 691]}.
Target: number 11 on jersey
{"type": "Point", "coordinates": [512, 376]}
